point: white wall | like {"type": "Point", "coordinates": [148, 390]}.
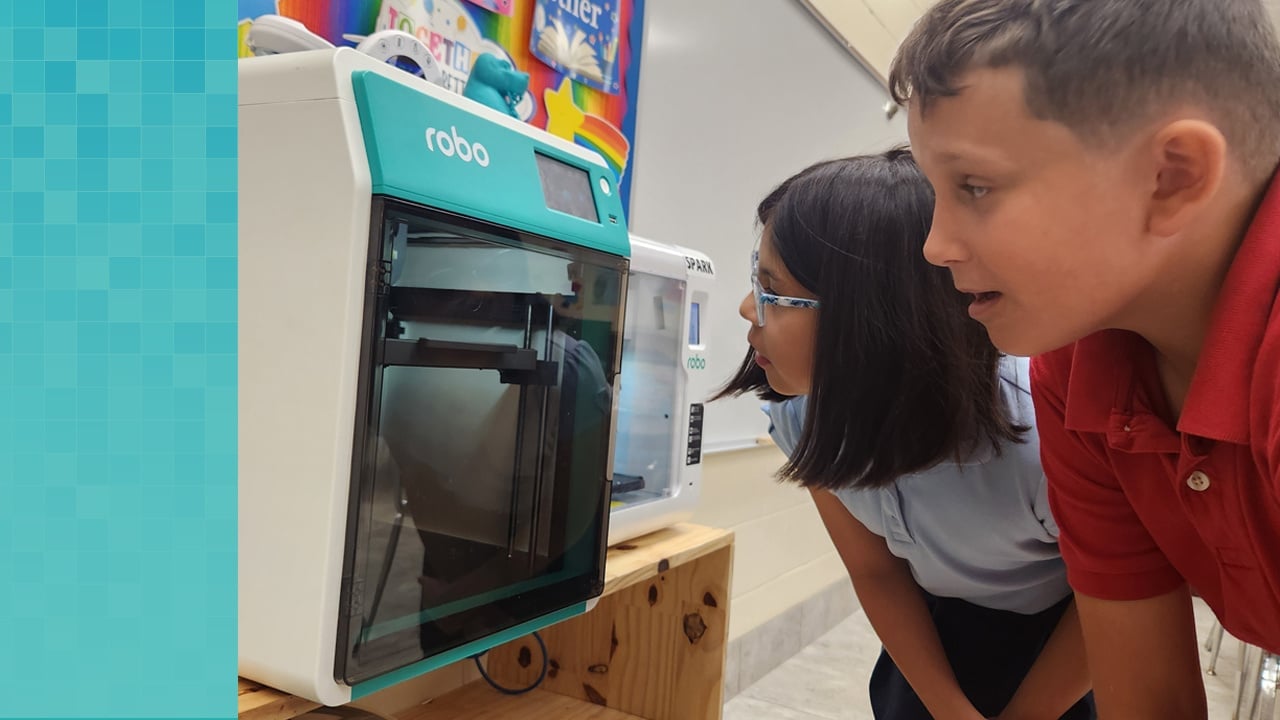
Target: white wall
{"type": "Point", "coordinates": [731, 102]}
{"type": "Point", "coordinates": [871, 29]}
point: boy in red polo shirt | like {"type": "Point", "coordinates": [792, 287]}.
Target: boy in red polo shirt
{"type": "Point", "coordinates": [1103, 171]}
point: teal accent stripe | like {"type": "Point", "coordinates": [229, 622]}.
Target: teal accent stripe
{"type": "Point", "coordinates": [428, 151]}
{"type": "Point", "coordinates": [394, 677]}
{"type": "Point", "coordinates": [430, 614]}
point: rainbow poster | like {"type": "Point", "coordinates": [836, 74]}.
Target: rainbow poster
{"type": "Point", "coordinates": [502, 6]}
{"type": "Point", "coordinates": [458, 31]}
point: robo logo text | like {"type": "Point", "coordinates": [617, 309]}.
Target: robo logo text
{"type": "Point", "coordinates": [450, 144]}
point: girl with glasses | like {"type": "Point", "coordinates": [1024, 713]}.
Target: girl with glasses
{"type": "Point", "coordinates": [915, 438]}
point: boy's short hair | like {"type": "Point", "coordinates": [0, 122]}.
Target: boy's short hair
{"type": "Point", "coordinates": [1103, 67]}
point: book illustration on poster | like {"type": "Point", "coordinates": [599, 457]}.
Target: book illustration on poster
{"type": "Point", "coordinates": [580, 39]}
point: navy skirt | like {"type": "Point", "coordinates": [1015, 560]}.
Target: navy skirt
{"type": "Point", "coordinates": [990, 652]}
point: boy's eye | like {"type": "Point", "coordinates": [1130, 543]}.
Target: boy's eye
{"type": "Point", "coordinates": [974, 191]}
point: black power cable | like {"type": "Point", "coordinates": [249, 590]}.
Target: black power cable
{"type": "Point", "coordinates": [520, 691]}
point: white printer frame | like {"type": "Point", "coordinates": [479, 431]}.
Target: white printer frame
{"type": "Point", "coordinates": [303, 254]}
{"type": "Point", "coordinates": [693, 383]}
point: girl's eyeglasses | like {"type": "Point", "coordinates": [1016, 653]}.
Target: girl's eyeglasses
{"type": "Point", "coordinates": [763, 298]}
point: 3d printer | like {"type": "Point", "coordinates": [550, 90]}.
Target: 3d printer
{"type": "Point", "coordinates": [431, 311]}
{"type": "Point", "coordinates": [657, 471]}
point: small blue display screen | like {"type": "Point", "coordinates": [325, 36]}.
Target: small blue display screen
{"type": "Point", "coordinates": [567, 188]}
{"type": "Point", "coordinates": [695, 331]}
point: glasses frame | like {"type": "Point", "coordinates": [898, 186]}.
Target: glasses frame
{"type": "Point", "coordinates": [763, 298]}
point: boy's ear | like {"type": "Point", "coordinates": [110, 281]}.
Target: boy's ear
{"type": "Point", "coordinates": [1190, 159]}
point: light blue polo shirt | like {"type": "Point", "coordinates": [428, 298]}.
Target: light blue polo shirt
{"type": "Point", "coordinates": [980, 531]}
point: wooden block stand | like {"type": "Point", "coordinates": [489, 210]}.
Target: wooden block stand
{"type": "Point", "coordinates": [652, 649]}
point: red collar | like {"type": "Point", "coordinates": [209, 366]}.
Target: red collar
{"type": "Point", "coordinates": [1107, 364]}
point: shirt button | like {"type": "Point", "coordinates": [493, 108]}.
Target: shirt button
{"type": "Point", "coordinates": [1198, 481]}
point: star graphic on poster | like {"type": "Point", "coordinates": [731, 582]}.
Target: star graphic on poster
{"type": "Point", "coordinates": [564, 117]}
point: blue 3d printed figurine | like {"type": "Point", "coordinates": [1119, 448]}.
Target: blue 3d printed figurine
{"type": "Point", "coordinates": [493, 82]}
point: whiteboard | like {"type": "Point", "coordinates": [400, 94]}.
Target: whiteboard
{"type": "Point", "coordinates": [731, 102]}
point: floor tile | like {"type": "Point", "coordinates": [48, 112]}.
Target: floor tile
{"type": "Point", "coordinates": [827, 680]}
{"type": "Point", "coordinates": [745, 708]}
